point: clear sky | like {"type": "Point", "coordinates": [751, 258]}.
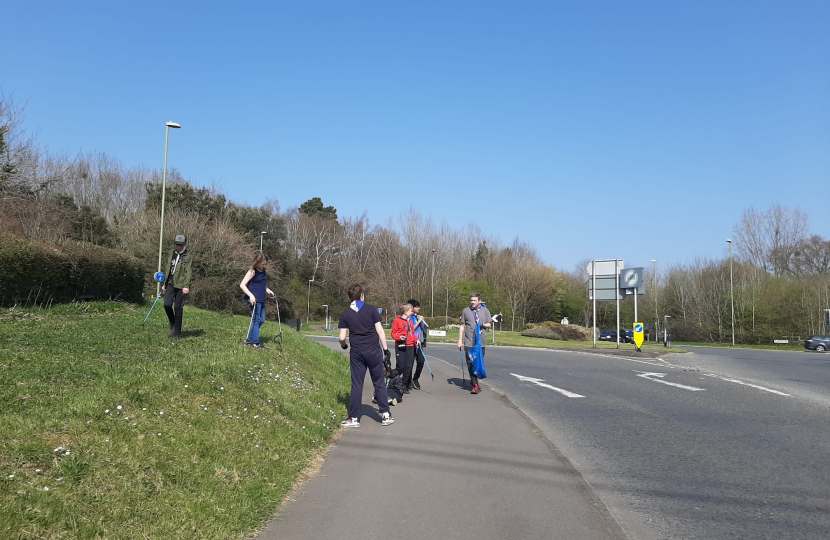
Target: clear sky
{"type": "Point", "coordinates": [590, 129]}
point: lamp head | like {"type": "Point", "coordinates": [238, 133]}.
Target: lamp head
{"type": "Point", "coordinates": [729, 240]}
{"type": "Point", "coordinates": [173, 125]}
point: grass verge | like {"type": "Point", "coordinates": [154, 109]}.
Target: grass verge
{"type": "Point", "coordinates": [111, 430]}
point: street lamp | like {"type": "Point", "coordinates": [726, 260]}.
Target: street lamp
{"type": "Point", "coordinates": [260, 239]}
{"type": "Point", "coordinates": [432, 288]}
{"type": "Point", "coordinates": [731, 292]}
{"type": "Point", "coordinates": [327, 315]}
{"type": "Point", "coordinates": [163, 189]}
{"type": "Point", "coordinates": [666, 342]}
{"type": "Point", "coordinates": [654, 286]}
{"type": "Point", "coordinates": [308, 301]}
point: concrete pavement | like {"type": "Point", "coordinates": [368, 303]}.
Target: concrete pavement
{"type": "Point", "coordinates": [453, 466]}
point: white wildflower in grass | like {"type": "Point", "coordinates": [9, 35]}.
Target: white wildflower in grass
{"type": "Point", "coordinates": [119, 407]}
{"type": "Point", "coordinates": [59, 479]}
{"type": "Point", "coordinates": [221, 388]}
{"type": "Point", "coordinates": [107, 411]}
{"type": "Point", "coordinates": [45, 488]}
{"type": "Point", "coordinates": [126, 418]}
{"type": "Point", "coordinates": [185, 386]}
{"type": "Point", "coordinates": [11, 476]}
{"type": "Point", "coordinates": [159, 434]}
{"type": "Point", "coordinates": [256, 416]}
{"type": "Point", "coordinates": [245, 409]}
{"type": "Point", "coordinates": [67, 452]}
{"type": "Point", "coordinates": [144, 408]}
{"type": "Point", "coordinates": [161, 412]}
{"type": "Point", "coordinates": [107, 440]}
{"type": "Point", "coordinates": [37, 470]}
{"type": "Point", "coordinates": [257, 446]}
{"type": "Point", "coordinates": [205, 408]}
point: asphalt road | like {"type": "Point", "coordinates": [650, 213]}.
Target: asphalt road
{"type": "Point", "coordinates": [714, 444]}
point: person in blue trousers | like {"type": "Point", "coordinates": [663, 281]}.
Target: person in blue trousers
{"type": "Point", "coordinates": [255, 289]}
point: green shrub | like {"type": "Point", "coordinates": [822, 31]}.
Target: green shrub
{"type": "Point", "coordinates": [39, 272]}
{"type": "Point", "coordinates": [559, 332]}
{"type": "Point", "coordinates": [542, 332]}
{"type": "Point", "coordinates": [529, 325]}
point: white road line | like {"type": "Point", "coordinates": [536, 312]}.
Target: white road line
{"type": "Point", "coordinates": [651, 377]}
{"type": "Point", "coordinates": [544, 385]}
{"type": "Point", "coordinates": [736, 381]}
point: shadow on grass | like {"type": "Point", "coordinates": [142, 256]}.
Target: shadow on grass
{"type": "Point", "coordinates": [197, 332]}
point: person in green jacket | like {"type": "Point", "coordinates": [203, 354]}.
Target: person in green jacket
{"type": "Point", "coordinates": [177, 285]}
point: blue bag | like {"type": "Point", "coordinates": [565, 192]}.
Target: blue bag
{"type": "Point", "coordinates": [477, 356]}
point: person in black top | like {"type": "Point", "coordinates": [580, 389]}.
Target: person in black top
{"type": "Point", "coordinates": [177, 285]}
{"type": "Point", "coordinates": [367, 338]}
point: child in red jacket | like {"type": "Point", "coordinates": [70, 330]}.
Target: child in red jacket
{"type": "Point", "coordinates": [405, 339]}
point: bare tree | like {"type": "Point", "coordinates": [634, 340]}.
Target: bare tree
{"type": "Point", "coordinates": [771, 239]}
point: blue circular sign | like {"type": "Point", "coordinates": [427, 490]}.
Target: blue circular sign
{"type": "Point", "coordinates": [159, 277]}
{"type": "Point", "coordinates": [638, 327]}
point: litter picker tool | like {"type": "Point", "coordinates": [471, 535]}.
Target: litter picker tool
{"type": "Point", "coordinates": [279, 319]}
{"type": "Point", "coordinates": [251, 324]}
{"type": "Point", "coordinates": [158, 277]}
{"type": "Point", "coordinates": [463, 380]}
{"type": "Point", "coordinates": [151, 310]}
{"type": "Point", "coordinates": [431, 374]}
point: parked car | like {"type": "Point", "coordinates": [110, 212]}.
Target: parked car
{"type": "Point", "coordinates": [627, 337]}
{"type": "Point", "coordinates": [817, 343]}
{"type": "Point", "coordinates": [608, 335]}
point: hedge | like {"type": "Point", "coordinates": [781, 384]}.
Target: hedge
{"type": "Point", "coordinates": [33, 272]}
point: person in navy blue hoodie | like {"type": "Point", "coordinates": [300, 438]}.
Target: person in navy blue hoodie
{"type": "Point", "coordinates": [256, 291]}
{"type": "Point", "coordinates": [367, 338]}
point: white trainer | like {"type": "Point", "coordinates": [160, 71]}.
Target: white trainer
{"type": "Point", "coordinates": [351, 422]}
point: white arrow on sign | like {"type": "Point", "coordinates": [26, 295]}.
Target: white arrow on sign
{"type": "Point", "coordinates": [545, 385]}
{"type": "Point", "coordinates": [651, 377]}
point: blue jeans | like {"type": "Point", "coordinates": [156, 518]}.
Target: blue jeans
{"type": "Point", "coordinates": [258, 312]}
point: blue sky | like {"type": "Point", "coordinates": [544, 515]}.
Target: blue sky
{"type": "Point", "coordinates": [590, 129]}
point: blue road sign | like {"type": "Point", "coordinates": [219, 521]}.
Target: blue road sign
{"type": "Point", "coordinates": [638, 327]}
{"type": "Point", "coordinates": [159, 277]}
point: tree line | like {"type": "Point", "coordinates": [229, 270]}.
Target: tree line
{"type": "Point", "coordinates": [781, 272]}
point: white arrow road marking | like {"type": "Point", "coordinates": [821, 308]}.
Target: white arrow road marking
{"type": "Point", "coordinates": [659, 378]}
{"type": "Point", "coordinates": [544, 385]}
{"type": "Point", "coordinates": [765, 389]}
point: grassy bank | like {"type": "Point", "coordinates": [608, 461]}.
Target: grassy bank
{"type": "Point", "coordinates": [110, 430]}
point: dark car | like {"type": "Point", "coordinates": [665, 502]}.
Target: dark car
{"type": "Point", "coordinates": [608, 335]}
{"type": "Point", "coordinates": [627, 337]}
{"type": "Point", "coordinates": [817, 343]}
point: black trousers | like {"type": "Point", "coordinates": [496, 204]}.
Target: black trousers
{"type": "Point", "coordinates": [419, 363]}
{"type": "Point", "coordinates": [473, 378]}
{"type": "Point", "coordinates": [404, 358]}
{"type": "Point", "coordinates": [174, 306]}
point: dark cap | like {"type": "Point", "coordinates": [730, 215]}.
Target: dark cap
{"type": "Point", "coordinates": [180, 239]}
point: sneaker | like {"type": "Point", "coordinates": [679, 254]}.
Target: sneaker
{"type": "Point", "coordinates": [476, 389]}
{"type": "Point", "coordinates": [416, 384]}
{"type": "Point", "coordinates": [259, 346]}
{"type": "Point", "coordinates": [406, 390]}
{"type": "Point", "coordinates": [351, 422]}
{"type": "Point", "coordinates": [393, 401]}
{"type": "Point", "coordinates": [386, 419]}
{"type": "Point", "coordinates": [374, 400]}
{"type": "Point", "coordinates": [172, 332]}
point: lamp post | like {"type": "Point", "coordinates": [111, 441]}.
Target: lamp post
{"type": "Point", "coordinates": [327, 315]}
{"type": "Point", "coordinates": [163, 189]}
{"type": "Point", "coordinates": [308, 301]}
{"type": "Point", "coordinates": [432, 288]}
{"type": "Point", "coordinates": [731, 292]}
{"type": "Point", "coordinates": [260, 239]}
{"type": "Point", "coordinates": [654, 287]}
{"type": "Point", "coordinates": [666, 342]}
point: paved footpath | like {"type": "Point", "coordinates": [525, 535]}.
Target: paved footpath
{"type": "Point", "coordinates": [452, 466]}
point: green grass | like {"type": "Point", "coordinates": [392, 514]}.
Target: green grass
{"type": "Point", "coordinates": [139, 436]}
{"type": "Point", "coordinates": [799, 346]}
{"type": "Point", "coordinates": [516, 339]}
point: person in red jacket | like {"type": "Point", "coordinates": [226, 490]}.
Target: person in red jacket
{"type": "Point", "coordinates": [403, 333]}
